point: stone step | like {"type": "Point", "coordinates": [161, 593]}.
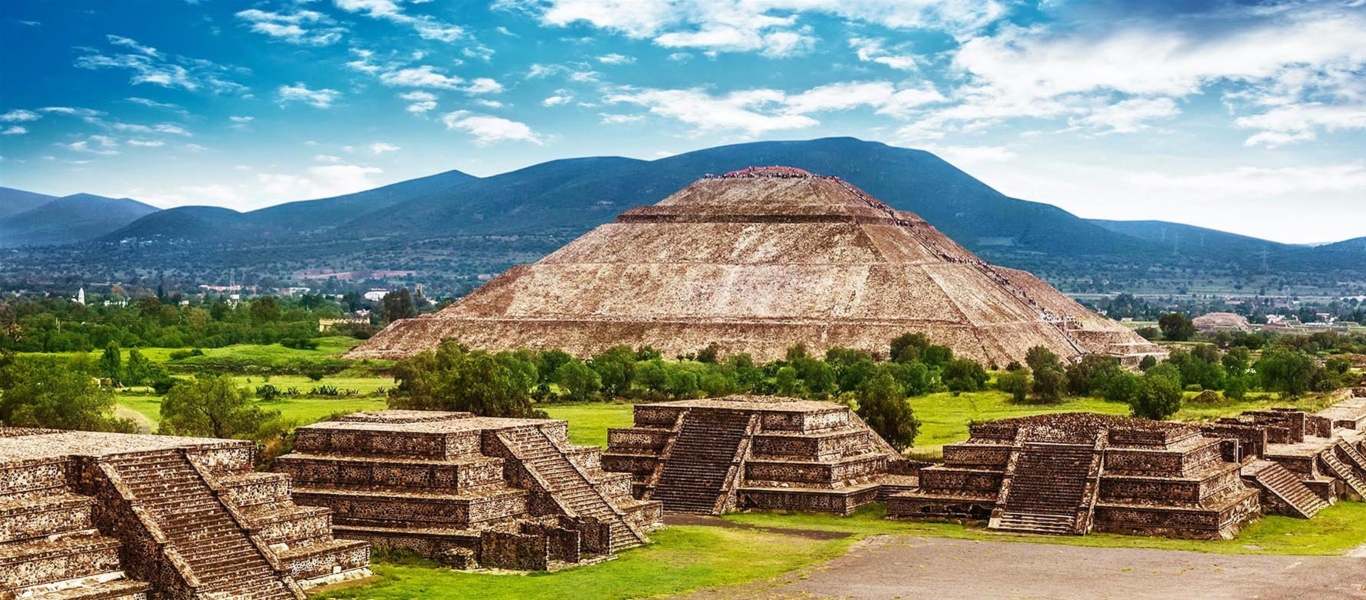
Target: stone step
{"type": "Point", "coordinates": [1033, 523]}
{"type": "Point", "coordinates": [1344, 472]}
{"type": "Point", "coordinates": [111, 589]}
{"type": "Point", "coordinates": [1285, 485]}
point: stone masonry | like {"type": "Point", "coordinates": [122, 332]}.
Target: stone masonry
{"type": "Point", "coordinates": [1074, 473]}
{"type": "Point", "coordinates": [717, 455]}
{"type": "Point", "coordinates": [469, 491]}
{"type": "Point", "coordinates": [1302, 462]}
{"type": "Point", "coordinates": [113, 516]}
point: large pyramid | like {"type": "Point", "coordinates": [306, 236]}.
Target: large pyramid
{"type": "Point", "coordinates": [756, 261]}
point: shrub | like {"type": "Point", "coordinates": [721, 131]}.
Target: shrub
{"type": "Point", "coordinates": [267, 392]}
{"type": "Point", "coordinates": [300, 343]}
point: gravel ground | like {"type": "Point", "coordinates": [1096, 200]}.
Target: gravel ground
{"type": "Point", "coordinates": [945, 569]}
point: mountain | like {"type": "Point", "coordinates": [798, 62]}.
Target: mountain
{"type": "Point", "coordinates": [206, 224]}
{"type": "Point", "coordinates": [13, 202]}
{"type": "Point", "coordinates": [454, 227]}
{"type": "Point", "coordinates": [70, 219]}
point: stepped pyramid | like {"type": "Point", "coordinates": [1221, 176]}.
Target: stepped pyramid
{"type": "Point", "coordinates": [756, 261]}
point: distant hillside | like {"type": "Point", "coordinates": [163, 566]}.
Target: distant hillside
{"type": "Point", "coordinates": [13, 202]}
{"type": "Point", "coordinates": [452, 227]}
{"type": "Point", "coordinates": [70, 219]}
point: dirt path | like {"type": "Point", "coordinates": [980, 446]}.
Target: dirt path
{"type": "Point", "coordinates": [145, 425]}
{"type": "Point", "coordinates": [946, 569]}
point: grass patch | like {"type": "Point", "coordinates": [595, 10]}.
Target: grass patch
{"type": "Point", "coordinates": [588, 423]}
{"type": "Point", "coordinates": [681, 559]}
{"type": "Point", "coordinates": [303, 410]}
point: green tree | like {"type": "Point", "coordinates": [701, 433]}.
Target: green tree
{"type": "Point", "coordinates": [139, 370]}
{"type": "Point", "coordinates": [396, 305]}
{"type": "Point", "coordinates": [1147, 362]}
{"type": "Point", "coordinates": [882, 404]}
{"type": "Point", "coordinates": [1092, 374]}
{"type": "Point", "coordinates": [1049, 384]}
{"type": "Point", "coordinates": [212, 407]}
{"type": "Point", "coordinates": [908, 347]}
{"type": "Point", "coordinates": [1236, 361]}
{"type": "Point", "coordinates": [1017, 383]}
{"type": "Point", "coordinates": [1176, 326]}
{"type": "Point", "coordinates": [265, 309]}
{"type": "Point", "coordinates": [1157, 396]}
{"type": "Point", "coordinates": [56, 395]}
{"type": "Point", "coordinates": [965, 375]}
{"type": "Point", "coordinates": [111, 362]}
{"type": "Point", "coordinates": [616, 368]}
{"type": "Point", "coordinates": [1040, 357]}
{"type": "Point", "coordinates": [788, 382]}
{"type": "Point", "coordinates": [580, 383]}
{"type": "Point", "coordinates": [457, 379]}
{"type": "Point", "coordinates": [1285, 370]}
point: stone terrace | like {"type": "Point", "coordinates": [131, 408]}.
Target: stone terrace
{"type": "Point", "coordinates": [98, 515]}
{"type": "Point", "coordinates": [470, 491]}
{"type": "Point", "coordinates": [716, 455]}
{"type": "Point", "coordinates": [1303, 462]}
{"type": "Point", "coordinates": [1074, 473]}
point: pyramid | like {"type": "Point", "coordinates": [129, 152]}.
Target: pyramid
{"type": "Point", "coordinates": [755, 261]}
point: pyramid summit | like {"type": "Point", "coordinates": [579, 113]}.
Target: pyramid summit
{"type": "Point", "coordinates": [755, 261]}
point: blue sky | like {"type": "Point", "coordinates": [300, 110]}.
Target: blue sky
{"type": "Point", "coordinates": [1247, 117]}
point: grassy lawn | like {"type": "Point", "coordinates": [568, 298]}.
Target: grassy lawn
{"type": "Point", "coordinates": [303, 410]}
{"type": "Point", "coordinates": [680, 559]}
{"type": "Point", "coordinates": [588, 423]}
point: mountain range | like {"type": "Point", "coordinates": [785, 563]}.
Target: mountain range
{"type": "Point", "coordinates": [492, 222]}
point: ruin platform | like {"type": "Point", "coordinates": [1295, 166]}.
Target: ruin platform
{"type": "Point", "coordinates": [470, 491]}
{"type": "Point", "coordinates": [103, 515]}
{"type": "Point", "coordinates": [716, 455]}
{"type": "Point", "coordinates": [1074, 473]}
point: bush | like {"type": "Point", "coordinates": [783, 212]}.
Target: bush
{"type": "Point", "coordinates": [1207, 397]}
{"type": "Point", "coordinates": [184, 354]}
{"type": "Point", "coordinates": [1158, 395]}
{"type": "Point", "coordinates": [267, 392]}
{"type": "Point", "coordinates": [161, 386]}
{"type": "Point", "coordinates": [300, 343]}
{"type": "Point", "coordinates": [965, 375]}
{"type": "Point", "coordinates": [1017, 383]}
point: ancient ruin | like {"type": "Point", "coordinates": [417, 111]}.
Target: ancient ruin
{"type": "Point", "coordinates": [1302, 462]}
{"type": "Point", "coordinates": [469, 491]}
{"type": "Point", "coordinates": [113, 516]}
{"type": "Point", "coordinates": [1074, 473]}
{"type": "Point", "coordinates": [717, 455]}
{"type": "Point", "coordinates": [756, 261]}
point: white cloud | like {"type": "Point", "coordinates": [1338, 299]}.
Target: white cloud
{"type": "Point", "coordinates": [871, 50]}
{"type": "Point", "coordinates": [241, 119]}
{"type": "Point", "coordinates": [426, 27]}
{"type": "Point", "coordinates": [96, 144]}
{"type": "Point", "coordinates": [487, 129]}
{"type": "Point", "coordinates": [302, 27]}
{"type": "Point", "coordinates": [771, 27]}
{"type": "Point", "coordinates": [1127, 116]}
{"type": "Point", "coordinates": [560, 97]}
{"type": "Point", "coordinates": [616, 59]}
{"type": "Point", "coordinates": [20, 116]}
{"type": "Point", "coordinates": [480, 52]}
{"type": "Point", "coordinates": [300, 93]}
{"type": "Point", "coordinates": [488, 103]}
{"type": "Point", "coordinates": [318, 182]}
{"type": "Point", "coordinates": [378, 148]}
{"type": "Point", "coordinates": [146, 143]}
{"type": "Point", "coordinates": [1301, 122]}
{"type": "Point", "coordinates": [423, 76]}
{"type": "Point", "coordinates": [971, 155]}
{"type": "Point", "coordinates": [484, 85]}
{"type": "Point", "coordinates": [419, 102]}
{"type": "Point", "coordinates": [610, 119]}
{"type": "Point", "coordinates": [327, 158]}
{"type": "Point", "coordinates": [166, 70]}
{"type": "Point", "coordinates": [14, 130]}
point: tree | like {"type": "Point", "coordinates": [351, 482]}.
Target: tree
{"type": "Point", "coordinates": [1285, 370]}
{"type": "Point", "coordinates": [111, 362]}
{"type": "Point", "coordinates": [212, 407]}
{"type": "Point", "coordinates": [1147, 362]}
{"type": "Point", "coordinates": [580, 383]}
{"type": "Point", "coordinates": [1176, 326]}
{"type": "Point", "coordinates": [1157, 396]}
{"type": "Point", "coordinates": [908, 347]}
{"type": "Point", "coordinates": [56, 395]}
{"type": "Point", "coordinates": [789, 384]}
{"type": "Point", "coordinates": [138, 370]}
{"type": "Point", "coordinates": [1017, 383]}
{"type": "Point", "coordinates": [397, 305]}
{"type": "Point", "coordinates": [617, 370]}
{"type": "Point", "coordinates": [265, 310]}
{"type": "Point", "coordinates": [1092, 374]}
{"type": "Point", "coordinates": [1040, 357]}
{"type": "Point", "coordinates": [882, 404]}
{"type": "Point", "coordinates": [965, 375]}
{"type": "Point", "coordinates": [457, 379]}
{"type": "Point", "coordinates": [1049, 384]}
{"type": "Point", "coordinates": [1236, 361]}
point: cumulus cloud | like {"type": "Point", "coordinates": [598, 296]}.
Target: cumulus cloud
{"type": "Point", "coordinates": [319, 182]}
{"type": "Point", "coordinates": [616, 59]}
{"type": "Point", "coordinates": [1302, 122]}
{"type": "Point", "coordinates": [419, 102]}
{"type": "Point", "coordinates": [872, 50]}
{"type": "Point", "coordinates": [96, 144]}
{"type": "Point", "coordinates": [1127, 116]}
{"type": "Point", "coordinates": [146, 143]}
{"type": "Point", "coordinates": [20, 116]}
{"type": "Point", "coordinates": [423, 76]}
{"type": "Point", "coordinates": [388, 10]}
{"type": "Point", "coordinates": [488, 129]}
{"type": "Point", "coordinates": [378, 148]}
{"type": "Point", "coordinates": [610, 119]}
{"type": "Point", "coordinates": [560, 97]}
{"type": "Point", "coordinates": [299, 92]}
{"type": "Point", "coordinates": [302, 27]}
{"type": "Point", "coordinates": [14, 130]}
{"type": "Point", "coordinates": [484, 85]}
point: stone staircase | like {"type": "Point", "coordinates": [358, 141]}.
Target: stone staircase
{"type": "Point", "coordinates": [568, 483]}
{"type": "Point", "coordinates": [1351, 455]}
{"type": "Point", "coordinates": [217, 552]}
{"type": "Point", "coordinates": [50, 550]}
{"type": "Point", "coordinates": [1287, 487]}
{"type": "Point", "coordinates": [1048, 487]}
{"type": "Point", "coordinates": [694, 478]}
{"type": "Point", "coordinates": [1342, 470]}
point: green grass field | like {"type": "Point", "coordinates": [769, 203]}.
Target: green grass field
{"type": "Point", "coordinates": [588, 423]}
{"type": "Point", "coordinates": [301, 410]}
